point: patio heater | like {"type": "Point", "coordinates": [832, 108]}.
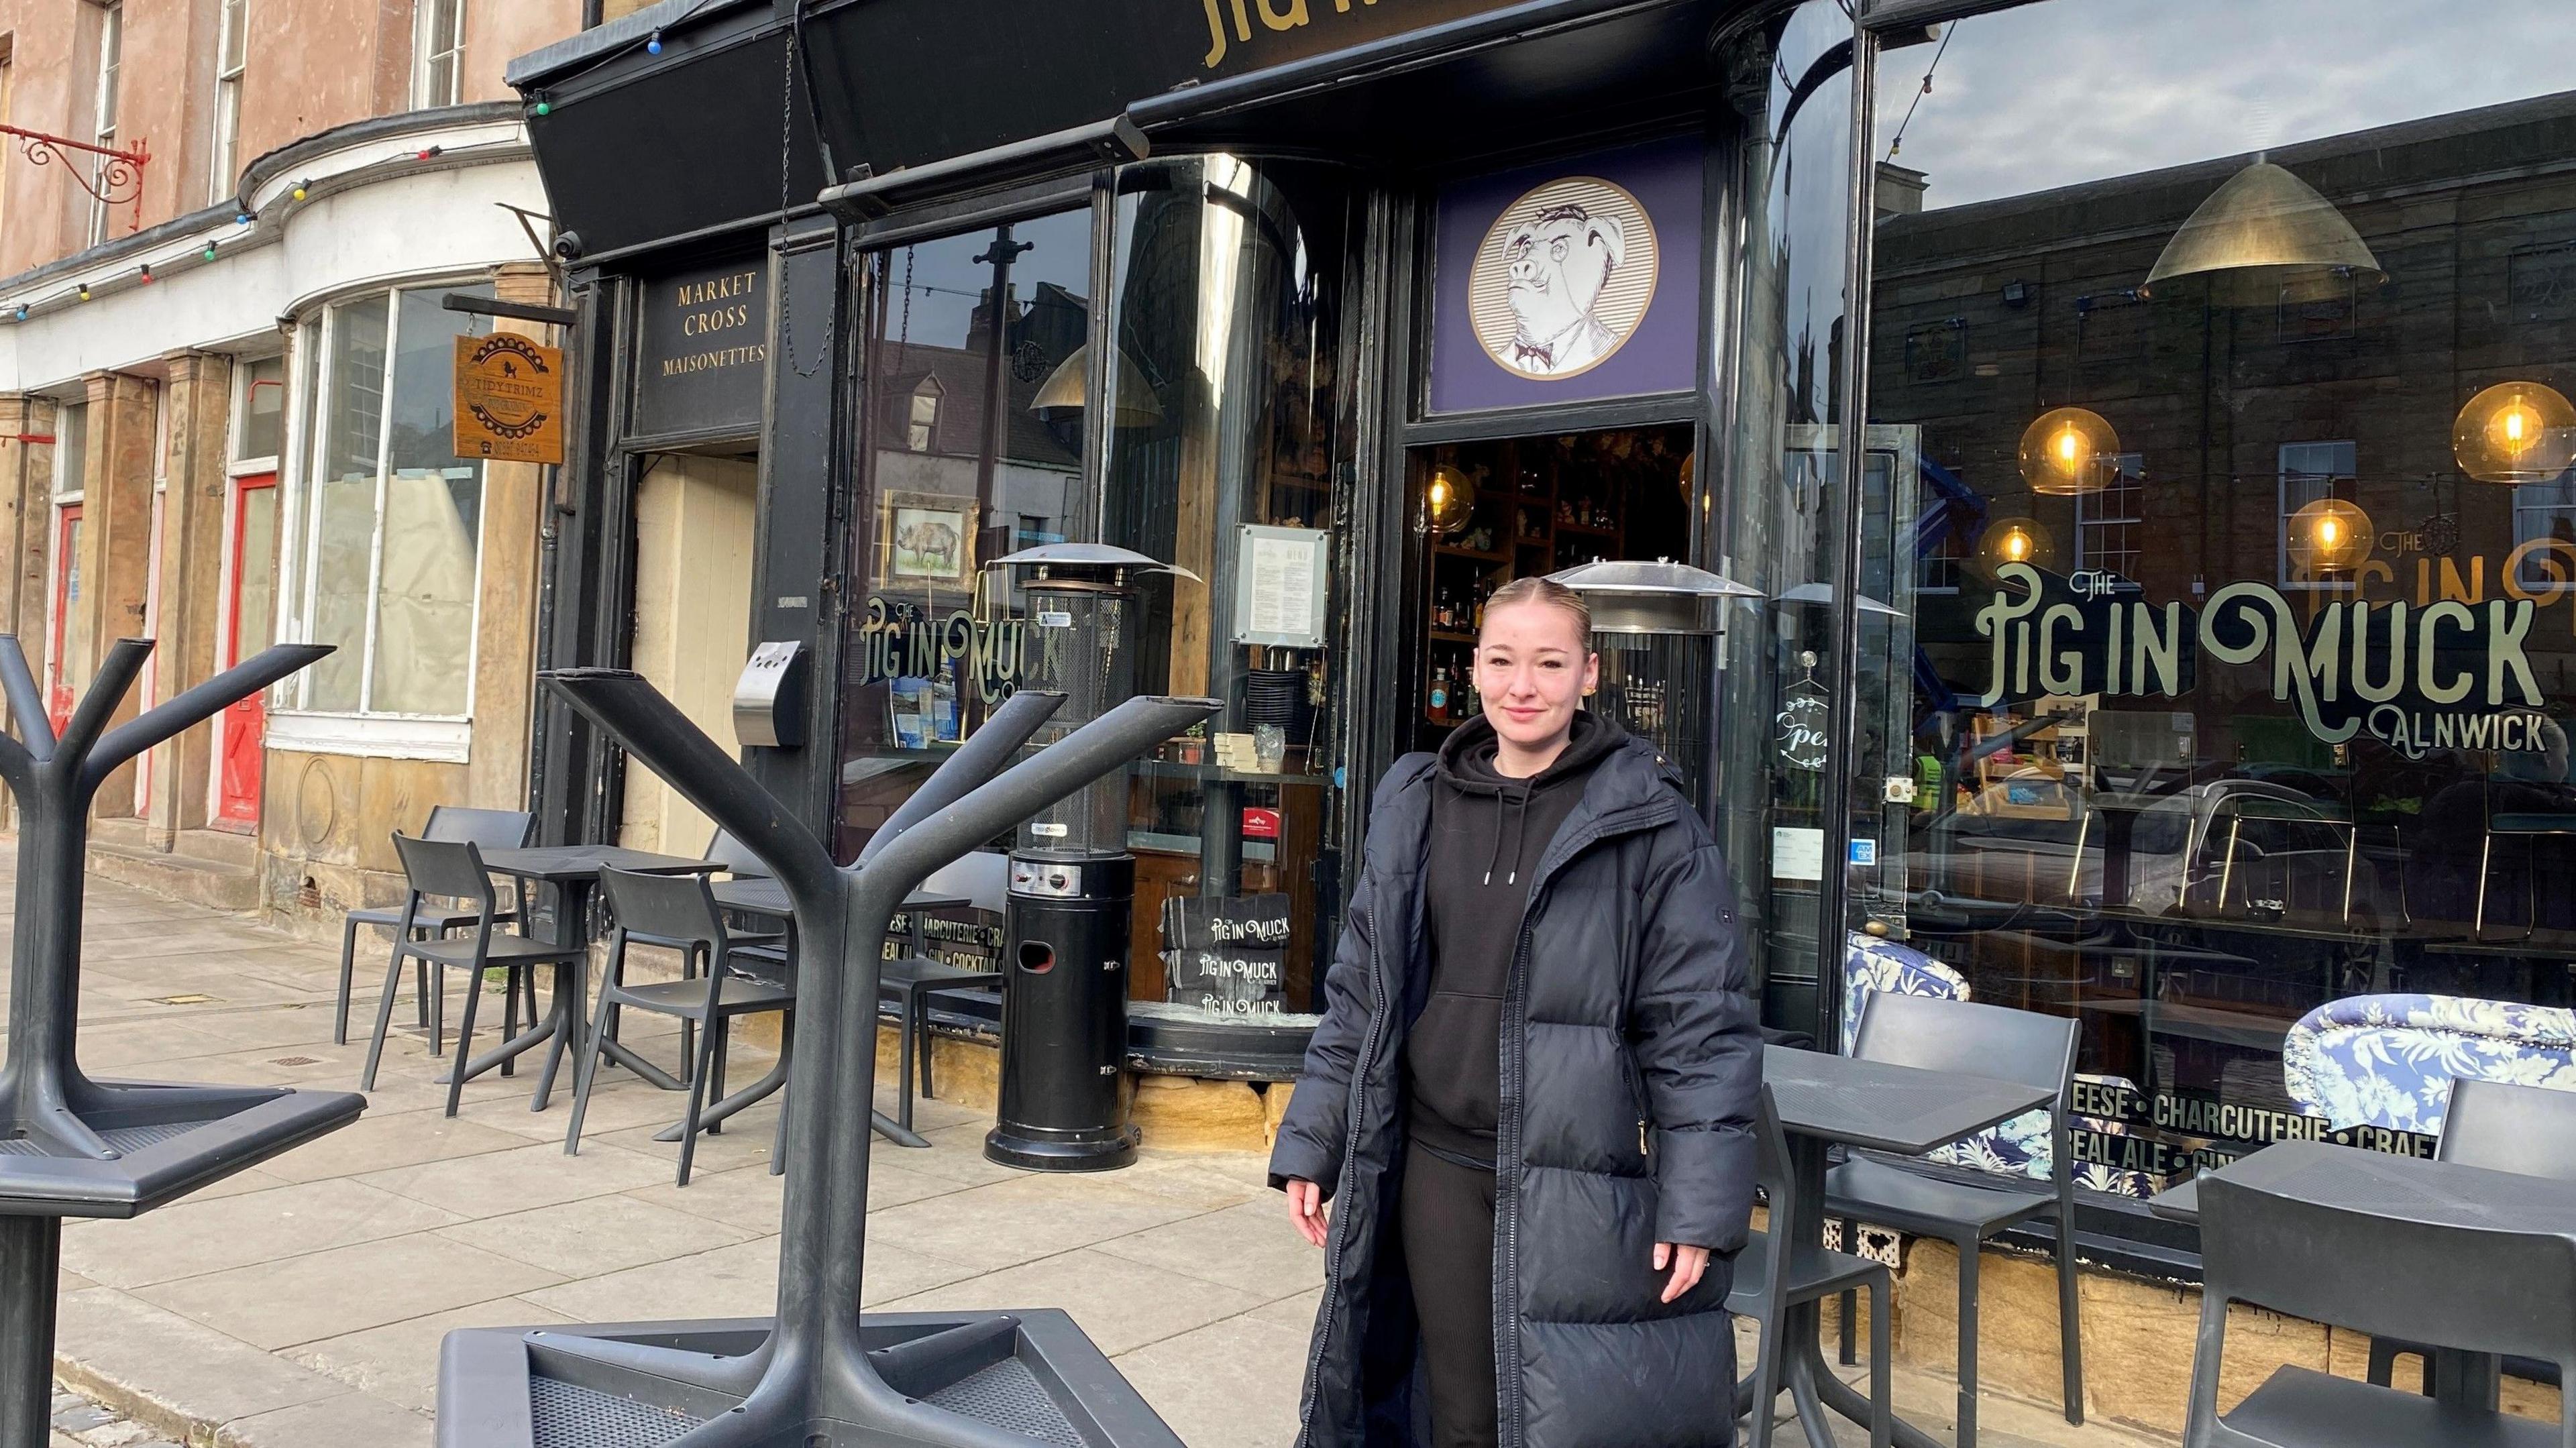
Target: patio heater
{"type": "Point", "coordinates": [71, 1146]}
{"type": "Point", "coordinates": [1073, 882]}
{"type": "Point", "coordinates": [1656, 626]}
{"type": "Point", "coordinates": [818, 1374]}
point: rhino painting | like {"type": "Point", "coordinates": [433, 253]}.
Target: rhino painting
{"type": "Point", "coordinates": [1573, 266]}
{"type": "Point", "coordinates": [929, 543]}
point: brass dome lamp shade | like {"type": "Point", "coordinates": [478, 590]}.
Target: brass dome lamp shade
{"type": "Point", "coordinates": [2515, 432]}
{"type": "Point", "coordinates": [2069, 450]}
{"type": "Point", "coordinates": [1451, 500]}
{"type": "Point", "coordinates": [2015, 540]}
{"type": "Point", "coordinates": [2263, 237]}
{"type": "Point", "coordinates": [2329, 536]}
{"type": "Point", "coordinates": [1067, 389]}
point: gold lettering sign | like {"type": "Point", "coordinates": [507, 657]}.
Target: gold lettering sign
{"type": "Point", "coordinates": [509, 400]}
{"type": "Point", "coordinates": [1233, 23]}
{"type": "Point", "coordinates": [708, 310]}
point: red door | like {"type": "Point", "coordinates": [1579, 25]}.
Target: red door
{"type": "Point", "coordinates": [252, 622]}
{"type": "Point", "coordinates": [67, 597]}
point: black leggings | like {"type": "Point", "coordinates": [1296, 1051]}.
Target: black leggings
{"type": "Point", "coordinates": [1448, 1224]}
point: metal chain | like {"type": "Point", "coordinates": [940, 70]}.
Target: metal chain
{"type": "Point", "coordinates": [786, 156]}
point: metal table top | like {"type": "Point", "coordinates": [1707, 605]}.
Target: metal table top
{"type": "Point", "coordinates": [558, 863]}
{"type": "Point", "coordinates": [1899, 1109]}
{"type": "Point", "coordinates": [2438, 1193]}
{"type": "Point", "coordinates": [761, 895]}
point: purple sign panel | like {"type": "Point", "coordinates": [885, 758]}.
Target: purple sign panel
{"type": "Point", "coordinates": [1574, 280]}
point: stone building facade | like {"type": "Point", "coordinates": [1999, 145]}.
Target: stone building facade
{"type": "Point", "coordinates": [224, 397]}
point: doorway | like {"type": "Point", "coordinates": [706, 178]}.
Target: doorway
{"type": "Point", "coordinates": [1525, 507]}
{"type": "Point", "coordinates": [60, 677]}
{"type": "Point", "coordinates": [250, 620]}
{"type": "Point", "coordinates": [695, 518]}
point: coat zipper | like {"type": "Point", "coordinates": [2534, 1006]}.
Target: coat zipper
{"type": "Point", "coordinates": [1636, 1095]}
{"type": "Point", "coordinates": [1360, 1068]}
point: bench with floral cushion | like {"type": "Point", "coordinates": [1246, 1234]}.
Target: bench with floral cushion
{"type": "Point", "coordinates": [2389, 1060]}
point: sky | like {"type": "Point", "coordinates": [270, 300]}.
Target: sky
{"type": "Point", "coordinates": [2078, 90]}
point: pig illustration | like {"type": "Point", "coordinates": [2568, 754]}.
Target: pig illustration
{"type": "Point", "coordinates": [1560, 260]}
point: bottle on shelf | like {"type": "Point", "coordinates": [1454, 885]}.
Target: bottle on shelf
{"type": "Point", "coordinates": [1439, 710]}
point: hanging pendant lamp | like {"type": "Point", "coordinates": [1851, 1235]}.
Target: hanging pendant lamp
{"type": "Point", "coordinates": [2264, 237]}
{"type": "Point", "coordinates": [1066, 390]}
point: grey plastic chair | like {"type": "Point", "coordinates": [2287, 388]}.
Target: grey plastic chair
{"type": "Point", "coordinates": [1814, 1272]}
{"type": "Point", "coordinates": [492, 829]}
{"type": "Point", "coordinates": [2007, 1045]}
{"type": "Point", "coordinates": [738, 860]}
{"type": "Point", "coordinates": [983, 878]}
{"type": "Point", "coordinates": [2526, 1130]}
{"type": "Point", "coordinates": [2479, 1291]}
{"type": "Point", "coordinates": [453, 870]}
{"type": "Point", "coordinates": [681, 909]}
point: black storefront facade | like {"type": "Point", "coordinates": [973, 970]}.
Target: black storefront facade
{"type": "Point", "coordinates": [2197, 663]}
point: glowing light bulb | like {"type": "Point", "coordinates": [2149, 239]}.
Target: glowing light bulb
{"type": "Point", "coordinates": [2017, 546]}
{"type": "Point", "coordinates": [2329, 532]}
{"type": "Point", "coordinates": [2065, 451]}
{"type": "Point", "coordinates": [2515, 432]}
{"type": "Point", "coordinates": [2328, 537]}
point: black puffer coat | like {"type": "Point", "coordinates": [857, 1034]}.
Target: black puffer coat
{"type": "Point", "coordinates": [1629, 1018]}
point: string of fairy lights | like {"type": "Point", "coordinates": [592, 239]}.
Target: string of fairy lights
{"type": "Point", "coordinates": [142, 273]}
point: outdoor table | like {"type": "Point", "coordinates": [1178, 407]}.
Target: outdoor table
{"type": "Point", "coordinates": [762, 895]}
{"type": "Point", "coordinates": [2414, 1189]}
{"type": "Point", "coordinates": [1825, 1100]}
{"type": "Point", "coordinates": [574, 872]}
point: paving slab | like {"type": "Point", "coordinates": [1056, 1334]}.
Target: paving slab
{"type": "Point", "coordinates": [597, 1235]}
{"type": "Point", "coordinates": [196, 1237]}
{"type": "Point", "coordinates": [172, 1372]}
{"type": "Point", "coordinates": [1123, 1304]}
{"type": "Point", "coordinates": [399, 1361]}
{"type": "Point", "coordinates": [329, 1294]}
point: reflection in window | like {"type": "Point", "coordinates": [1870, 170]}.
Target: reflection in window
{"type": "Point", "coordinates": [1229, 412]}
{"type": "Point", "coordinates": [394, 539]}
{"type": "Point", "coordinates": [2305, 764]}
{"type": "Point", "coordinates": [965, 450]}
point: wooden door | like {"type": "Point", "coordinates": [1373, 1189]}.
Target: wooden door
{"type": "Point", "coordinates": [250, 622]}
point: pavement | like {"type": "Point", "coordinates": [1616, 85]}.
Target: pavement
{"type": "Point", "coordinates": [300, 1304]}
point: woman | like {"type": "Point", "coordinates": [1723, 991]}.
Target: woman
{"type": "Point", "coordinates": [1530, 1101]}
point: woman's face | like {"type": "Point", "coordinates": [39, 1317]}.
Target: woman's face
{"type": "Point", "coordinates": [1533, 667]}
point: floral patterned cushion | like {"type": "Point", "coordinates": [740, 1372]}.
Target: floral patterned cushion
{"type": "Point", "coordinates": [2389, 1060]}
{"type": "Point", "coordinates": [2022, 1147]}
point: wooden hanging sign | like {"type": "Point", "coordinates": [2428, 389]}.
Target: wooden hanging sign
{"type": "Point", "coordinates": [509, 400]}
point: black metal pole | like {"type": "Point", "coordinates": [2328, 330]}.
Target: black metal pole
{"type": "Point", "coordinates": [31, 1250]}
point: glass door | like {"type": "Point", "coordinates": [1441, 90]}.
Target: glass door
{"type": "Point", "coordinates": [61, 678]}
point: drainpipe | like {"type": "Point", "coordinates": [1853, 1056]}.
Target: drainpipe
{"type": "Point", "coordinates": [590, 16]}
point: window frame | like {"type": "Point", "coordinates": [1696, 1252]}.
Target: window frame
{"type": "Point", "coordinates": [104, 110]}
{"type": "Point", "coordinates": [236, 465]}
{"type": "Point", "coordinates": [2130, 482]}
{"type": "Point", "coordinates": [294, 723]}
{"type": "Point", "coordinates": [428, 52]}
{"type": "Point", "coordinates": [232, 63]}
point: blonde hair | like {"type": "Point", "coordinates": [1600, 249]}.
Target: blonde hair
{"type": "Point", "coordinates": [1549, 592]}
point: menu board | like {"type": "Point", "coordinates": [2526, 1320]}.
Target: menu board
{"type": "Point", "coordinates": [1227, 956]}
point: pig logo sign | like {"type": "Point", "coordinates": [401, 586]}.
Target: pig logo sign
{"type": "Point", "coordinates": [1564, 278]}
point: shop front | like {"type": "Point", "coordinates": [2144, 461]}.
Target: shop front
{"type": "Point", "coordinates": [2145, 482]}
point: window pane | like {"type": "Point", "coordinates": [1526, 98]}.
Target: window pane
{"type": "Point", "coordinates": [263, 409]}
{"type": "Point", "coordinates": [344, 507]}
{"type": "Point", "coordinates": [111, 47]}
{"type": "Point", "coordinates": [230, 58]}
{"type": "Point", "coordinates": [2243, 739]}
{"type": "Point", "coordinates": [71, 447]}
{"type": "Point", "coordinates": [433, 505]}
{"type": "Point", "coordinates": [952, 462]}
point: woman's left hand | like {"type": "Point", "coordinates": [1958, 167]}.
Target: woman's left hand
{"type": "Point", "coordinates": [1687, 1264]}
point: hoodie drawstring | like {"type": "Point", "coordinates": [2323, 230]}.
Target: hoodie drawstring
{"type": "Point", "coordinates": [1520, 824]}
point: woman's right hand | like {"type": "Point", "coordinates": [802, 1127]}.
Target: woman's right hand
{"type": "Point", "coordinates": [1306, 1208]}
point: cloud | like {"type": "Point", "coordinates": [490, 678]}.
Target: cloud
{"type": "Point", "coordinates": [2056, 94]}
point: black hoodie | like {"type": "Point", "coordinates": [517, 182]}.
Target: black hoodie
{"type": "Point", "coordinates": [1488, 834]}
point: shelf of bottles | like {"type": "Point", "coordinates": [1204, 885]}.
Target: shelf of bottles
{"type": "Point", "coordinates": [1539, 509]}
